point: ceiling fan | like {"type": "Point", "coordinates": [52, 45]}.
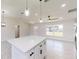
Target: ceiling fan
{"type": "Point", "coordinates": [44, 0]}
{"type": "Point", "coordinates": [52, 18]}
{"type": "Point", "coordinates": [72, 10]}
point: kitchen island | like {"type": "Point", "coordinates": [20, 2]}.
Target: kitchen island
{"type": "Point", "coordinates": [29, 47]}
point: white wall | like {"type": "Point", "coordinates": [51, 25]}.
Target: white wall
{"type": "Point", "coordinates": [8, 32]}
{"type": "Point", "coordinates": [68, 30]}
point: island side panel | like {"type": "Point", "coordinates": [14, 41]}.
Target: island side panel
{"type": "Point", "coordinates": [17, 54]}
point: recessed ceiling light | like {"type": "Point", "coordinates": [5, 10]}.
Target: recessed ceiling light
{"type": "Point", "coordinates": [35, 27]}
{"type": "Point", "coordinates": [32, 22]}
{"type": "Point", "coordinates": [36, 14]}
{"type": "Point", "coordinates": [41, 21]}
{"type": "Point", "coordinates": [61, 26]}
{"type": "Point", "coordinates": [63, 5]}
{"type": "Point", "coordinates": [60, 17]}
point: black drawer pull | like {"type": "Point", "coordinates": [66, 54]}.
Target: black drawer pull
{"type": "Point", "coordinates": [31, 53]}
{"type": "Point", "coordinates": [40, 51]}
{"type": "Point", "coordinates": [40, 45]}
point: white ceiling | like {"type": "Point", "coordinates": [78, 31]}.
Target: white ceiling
{"type": "Point", "coordinates": [52, 7]}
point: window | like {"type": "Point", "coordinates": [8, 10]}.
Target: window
{"type": "Point", "coordinates": [55, 30]}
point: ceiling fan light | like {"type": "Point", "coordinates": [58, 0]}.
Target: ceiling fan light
{"type": "Point", "coordinates": [3, 24]}
{"type": "Point", "coordinates": [41, 21]}
{"type": "Point", "coordinates": [63, 5]}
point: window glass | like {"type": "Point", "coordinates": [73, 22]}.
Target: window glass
{"type": "Point", "coordinates": [55, 30]}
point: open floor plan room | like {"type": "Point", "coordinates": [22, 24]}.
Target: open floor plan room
{"type": "Point", "coordinates": [38, 29]}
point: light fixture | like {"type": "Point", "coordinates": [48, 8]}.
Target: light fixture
{"type": "Point", "coordinates": [3, 23]}
{"type": "Point", "coordinates": [35, 27]}
{"type": "Point", "coordinates": [27, 12]}
{"type": "Point", "coordinates": [41, 21]}
{"type": "Point", "coordinates": [41, 12]}
{"type": "Point", "coordinates": [61, 26]}
{"type": "Point", "coordinates": [60, 17]}
{"type": "Point", "coordinates": [63, 5]}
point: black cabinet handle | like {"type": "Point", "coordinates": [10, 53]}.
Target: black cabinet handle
{"type": "Point", "coordinates": [31, 53]}
{"type": "Point", "coordinates": [40, 45]}
{"type": "Point", "coordinates": [40, 51]}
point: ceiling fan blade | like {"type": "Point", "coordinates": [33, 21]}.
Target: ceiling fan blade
{"type": "Point", "coordinates": [72, 10]}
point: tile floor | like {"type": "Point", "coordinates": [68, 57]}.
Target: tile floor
{"type": "Point", "coordinates": [60, 50]}
{"type": "Point", "coordinates": [55, 50]}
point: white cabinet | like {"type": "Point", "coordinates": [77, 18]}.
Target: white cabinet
{"type": "Point", "coordinates": [31, 47]}
{"type": "Point", "coordinates": [18, 54]}
{"type": "Point", "coordinates": [38, 52]}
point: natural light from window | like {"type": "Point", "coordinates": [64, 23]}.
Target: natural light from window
{"type": "Point", "coordinates": [55, 30]}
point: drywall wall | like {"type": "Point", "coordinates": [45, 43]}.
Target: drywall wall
{"type": "Point", "coordinates": [68, 29]}
{"type": "Point", "coordinates": [8, 32]}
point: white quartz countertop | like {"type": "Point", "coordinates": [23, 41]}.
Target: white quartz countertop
{"type": "Point", "coordinates": [26, 43]}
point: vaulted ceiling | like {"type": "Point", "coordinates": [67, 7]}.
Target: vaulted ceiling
{"type": "Point", "coordinates": [14, 8]}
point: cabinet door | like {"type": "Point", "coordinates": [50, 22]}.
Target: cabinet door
{"type": "Point", "coordinates": [44, 48]}
{"type": "Point", "coordinates": [17, 54]}
{"type": "Point", "coordinates": [37, 52]}
{"type": "Point", "coordinates": [40, 51]}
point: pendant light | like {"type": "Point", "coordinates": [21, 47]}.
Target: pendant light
{"type": "Point", "coordinates": [41, 12]}
{"type": "Point", "coordinates": [27, 12]}
{"type": "Point", "coordinates": [3, 23]}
